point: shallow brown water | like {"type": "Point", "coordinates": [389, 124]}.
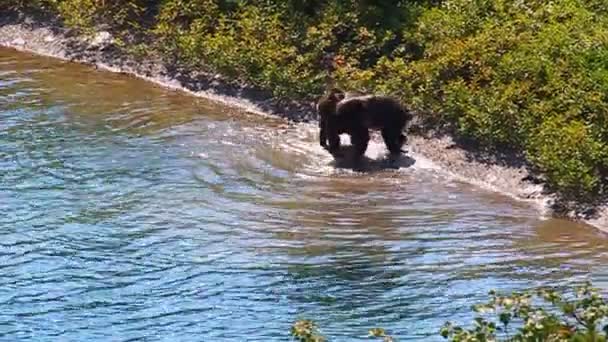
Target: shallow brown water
{"type": "Point", "coordinates": [133, 212]}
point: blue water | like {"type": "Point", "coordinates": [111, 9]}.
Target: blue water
{"type": "Point", "coordinates": [129, 212]}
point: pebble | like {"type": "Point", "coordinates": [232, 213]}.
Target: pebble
{"type": "Point", "coordinates": [18, 42]}
{"type": "Point", "coordinates": [102, 38]}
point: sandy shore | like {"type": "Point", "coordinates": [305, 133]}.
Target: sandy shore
{"type": "Point", "coordinates": [507, 174]}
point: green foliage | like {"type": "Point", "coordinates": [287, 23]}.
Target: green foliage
{"type": "Point", "coordinates": [86, 15]}
{"type": "Point", "coordinates": [27, 5]}
{"type": "Point", "coordinates": [580, 316]}
{"type": "Point", "coordinates": [527, 75]}
{"type": "Point", "coordinates": [570, 162]}
{"type": "Point", "coordinates": [253, 44]}
{"type": "Point", "coordinates": [290, 48]}
{"type": "Point", "coordinates": [379, 332]}
{"type": "Point", "coordinates": [305, 330]}
{"type": "Point", "coordinates": [79, 13]}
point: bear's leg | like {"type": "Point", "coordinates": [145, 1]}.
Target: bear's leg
{"type": "Point", "coordinates": [360, 140]}
{"type": "Point", "coordinates": [393, 139]}
{"type": "Point", "coordinates": [322, 134]}
{"type": "Point", "coordinates": [402, 139]}
{"type": "Point", "coordinates": [334, 143]}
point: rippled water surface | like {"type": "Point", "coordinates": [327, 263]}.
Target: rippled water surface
{"type": "Point", "coordinates": [132, 212]}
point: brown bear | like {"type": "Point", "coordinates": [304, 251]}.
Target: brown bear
{"type": "Point", "coordinates": [326, 108]}
{"type": "Point", "coordinates": [354, 114]}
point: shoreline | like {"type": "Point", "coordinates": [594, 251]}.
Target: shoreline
{"type": "Point", "coordinates": [508, 176]}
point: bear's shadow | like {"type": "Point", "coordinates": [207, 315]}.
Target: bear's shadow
{"type": "Point", "coordinates": [367, 164]}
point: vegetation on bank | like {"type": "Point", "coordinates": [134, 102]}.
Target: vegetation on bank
{"type": "Point", "coordinates": [579, 315]}
{"type": "Point", "coordinates": [530, 76]}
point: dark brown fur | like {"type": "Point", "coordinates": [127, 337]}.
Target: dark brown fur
{"type": "Point", "coordinates": [356, 115]}
{"type": "Point", "coordinates": [326, 108]}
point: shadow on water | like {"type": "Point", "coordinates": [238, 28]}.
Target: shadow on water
{"type": "Point", "coordinates": [370, 165]}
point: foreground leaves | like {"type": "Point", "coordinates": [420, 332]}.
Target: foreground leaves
{"type": "Point", "coordinates": [544, 315]}
{"type": "Point", "coordinates": [306, 331]}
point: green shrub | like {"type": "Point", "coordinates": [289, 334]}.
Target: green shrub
{"type": "Point", "coordinates": [523, 75]}
{"type": "Point", "coordinates": [28, 5]}
{"type": "Point", "coordinates": [571, 163]}
{"type": "Point", "coordinates": [121, 17]}
{"type": "Point", "coordinates": [543, 315]}
{"type": "Point", "coordinates": [305, 330]}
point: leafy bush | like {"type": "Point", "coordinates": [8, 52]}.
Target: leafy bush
{"type": "Point", "coordinates": [290, 48]}
{"type": "Point", "coordinates": [305, 330]}
{"type": "Point", "coordinates": [27, 5]}
{"type": "Point", "coordinates": [86, 15]}
{"type": "Point", "coordinates": [567, 151]}
{"type": "Point", "coordinates": [580, 316]}
{"type": "Point", "coordinates": [525, 75]}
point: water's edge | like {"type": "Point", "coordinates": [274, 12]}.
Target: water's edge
{"type": "Point", "coordinates": [44, 37]}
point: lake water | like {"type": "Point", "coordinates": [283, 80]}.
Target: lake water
{"type": "Point", "coordinates": [130, 212]}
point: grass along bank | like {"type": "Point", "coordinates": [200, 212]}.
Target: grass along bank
{"type": "Point", "coordinates": [527, 77]}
